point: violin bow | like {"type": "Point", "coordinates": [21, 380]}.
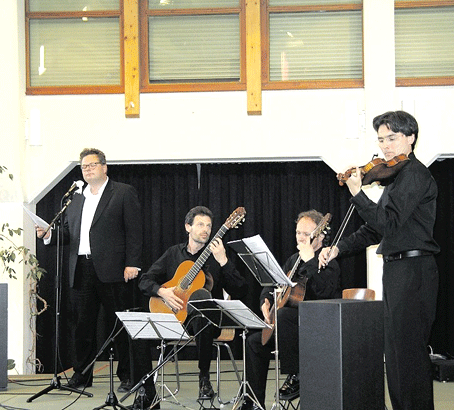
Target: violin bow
{"type": "Point", "coordinates": [340, 232]}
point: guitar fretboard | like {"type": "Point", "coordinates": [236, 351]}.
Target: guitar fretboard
{"type": "Point", "coordinates": [196, 268]}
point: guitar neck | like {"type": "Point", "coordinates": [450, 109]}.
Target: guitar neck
{"type": "Point", "coordinates": [197, 267]}
{"type": "Point", "coordinates": [295, 266]}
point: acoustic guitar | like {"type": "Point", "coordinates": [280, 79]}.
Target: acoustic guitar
{"type": "Point", "coordinates": [189, 276]}
{"type": "Point", "coordinates": [289, 295]}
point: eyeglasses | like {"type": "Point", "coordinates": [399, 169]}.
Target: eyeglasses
{"type": "Point", "coordinates": [389, 139]}
{"type": "Point", "coordinates": [92, 165]}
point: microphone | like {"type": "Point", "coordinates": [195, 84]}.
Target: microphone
{"type": "Point", "coordinates": [74, 186]}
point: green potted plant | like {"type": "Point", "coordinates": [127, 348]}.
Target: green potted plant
{"type": "Point", "coordinates": [12, 254]}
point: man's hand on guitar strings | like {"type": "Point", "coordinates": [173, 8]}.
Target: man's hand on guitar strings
{"type": "Point", "coordinates": [266, 311]}
{"type": "Point", "coordinates": [172, 300]}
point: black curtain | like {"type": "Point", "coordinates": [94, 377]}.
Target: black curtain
{"type": "Point", "coordinates": [273, 193]}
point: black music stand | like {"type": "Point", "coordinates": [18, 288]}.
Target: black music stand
{"type": "Point", "coordinates": [260, 261]}
{"type": "Point", "coordinates": [264, 267]}
{"type": "Point", "coordinates": [160, 326]}
{"type": "Point", "coordinates": [232, 314]}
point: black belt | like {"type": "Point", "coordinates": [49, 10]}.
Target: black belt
{"type": "Point", "coordinates": [87, 256]}
{"type": "Point", "coordinates": [406, 254]}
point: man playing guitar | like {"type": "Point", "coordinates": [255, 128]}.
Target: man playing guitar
{"type": "Point", "coordinates": [319, 284]}
{"type": "Point", "coordinates": [197, 269]}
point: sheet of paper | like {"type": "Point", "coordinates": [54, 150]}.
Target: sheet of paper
{"type": "Point", "coordinates": [262, 253]}
{"type": "Point", "coordinates": [228, 313]}
{"type": "Point", "coordinates": [36, 219]}
{"type": "Point", "coordinates": [144, 325]}
{"type": "Point", "coordinates": [242, 313]}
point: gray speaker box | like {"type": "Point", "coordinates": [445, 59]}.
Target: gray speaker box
{"type": "Point", "coordinates": [341, 355]}
{"type": "Point", "coordinates": [3, 336]}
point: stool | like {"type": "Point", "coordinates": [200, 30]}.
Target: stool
{"type": "Point", "coordinates": [222, 340]}
{"type": "Point", "coordinates": [291, 404]}
{"type": "Point", "coordinates": [202, 403]}
{"type": "Point", "coordinates": [227, 335]}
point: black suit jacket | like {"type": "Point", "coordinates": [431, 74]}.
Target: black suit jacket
{"type": "Point", "coordinates": [115, 233]}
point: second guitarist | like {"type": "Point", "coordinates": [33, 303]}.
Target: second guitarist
{"type": "Point", "coordinates": [219, 273]}
{"type": "Point", "coordinates": [320, 285]}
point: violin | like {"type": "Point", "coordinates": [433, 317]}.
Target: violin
{"type": "Point", "coordinates": [378, 170]}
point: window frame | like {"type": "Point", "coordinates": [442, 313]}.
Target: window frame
{"type": "Point", "coordinates": [304, 84]}
{"type": "Point", "coordinates": [73, 89]}
{"type": "Point", "coordinates": [147, 87]}
{"type": "Point", "coordinates": [423, 81]}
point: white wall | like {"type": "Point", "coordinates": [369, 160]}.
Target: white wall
{"type": "Point", "coordinates": [294, 124]}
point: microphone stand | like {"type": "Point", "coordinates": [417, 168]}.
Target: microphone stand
{"type": "Point", "coordinates": [55, 383]}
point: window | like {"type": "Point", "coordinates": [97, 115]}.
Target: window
{"type": "Point", "coordinates": [77, 46]}
{"type": "Point", "coordinates": [424, 36]}
{"type": "Point", "coordinates": [197, 43]}
{"type": "Point", "coordinates": [72, 45]}
{"type": "Point", "coordinates": [314, 44]}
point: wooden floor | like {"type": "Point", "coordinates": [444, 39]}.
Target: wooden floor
{"type": "Point", "coordinates": [22, 388]}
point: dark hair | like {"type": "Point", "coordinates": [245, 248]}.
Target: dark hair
{"type": "Point", "coordinates": [316, 217]}
{"type": "Point", "coordinates": [93, 151]}
{"type": "Point", "coordinates": [198, 210]}
{"type": "Point", "coordinates": [398, 121]}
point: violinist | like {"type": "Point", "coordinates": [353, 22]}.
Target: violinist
{"type": "Point", "coordinates": [324, 284]}
{"type": "Point", "coordinates": [402, 223]}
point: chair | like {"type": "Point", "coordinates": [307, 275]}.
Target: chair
{"type": "Point", "coordinates": [226, 336]}
{"type": "Point", "coordinates": [358, 293]}
{"type": "Point", "coordinates": [291, 404]}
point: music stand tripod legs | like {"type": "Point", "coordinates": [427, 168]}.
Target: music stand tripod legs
{"type": "Point", "coordinates": [111, 399]}
{"type": "Point", "coordinates": [244, 387]}
{"type": "Point", "coordinates": [55, 384]}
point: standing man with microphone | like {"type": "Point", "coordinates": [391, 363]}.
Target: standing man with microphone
{"type": "Point", "coordinates": [104, 230]}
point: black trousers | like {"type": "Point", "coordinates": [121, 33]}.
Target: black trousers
{"type": "Point", "coordinates": [410, 288]}
{"type": "Point", "coordinates": [142, 364]}
{"type": "Point", "coordinates": [258, 356]}
{"type": "Point", "coordinates": [204, 340]}
{"type": "Point", "coordinates": [88, 294]}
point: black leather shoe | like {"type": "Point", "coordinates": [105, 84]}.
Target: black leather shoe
{"type": "Point", "coordinates": [79, 380]}
{"type": "Point", "coordinates": [248, 405]}
{"type": "Point", "coordinates": [205, 389]}
{"type": "Point", "coordinates": [125, 386]}
{"type": "Point", "coordinates": [144, 403]}
{"type": "Point", "coordinates": [290, 389]}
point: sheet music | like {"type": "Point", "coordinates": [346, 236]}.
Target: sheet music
{"type": "Point", "coordinates": [36, 219]}
{"type": "Point", "coordinates": [228, 313]}
{"type": "Point", "coordinates": [242, 313]}
{"type": "Point", "coordinates": [262, 253]}
{"type": "Point", "coordinates": [144, 325]}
